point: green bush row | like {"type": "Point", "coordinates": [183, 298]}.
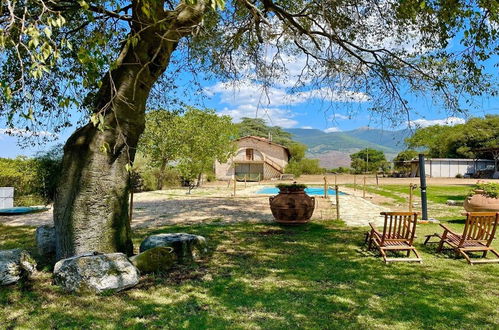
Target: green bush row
{"type": "Point", "coordinates": [34, 179]}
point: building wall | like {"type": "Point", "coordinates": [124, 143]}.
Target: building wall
{"type": "Point", "coordinates": [262, 151]}
{"type": "Point", "coordinates": [224, 171]}
{"type": "Point", "coordinates": [449, 168]}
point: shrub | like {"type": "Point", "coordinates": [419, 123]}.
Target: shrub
{"type": "Point", "coordinates": [304, 166]}
{"type": "Point", "coordinates": [341, 169]}
{"type": "Point", "coordinates": [210, 176]}
{"type": "Point", "coordinates": [150, 177]}
{"type": "Point", "coordinates": [34, 179]}
{"type": "Point", "coordinates": [459, 176]}
{"type": "Point", "coordinates": [490, 189]}
{"type": "Point", "coordinates": [291, 186]}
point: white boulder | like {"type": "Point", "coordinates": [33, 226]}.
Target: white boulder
{"type": "Point", "coordinates": [15, 265]}
{"type": "Point", "coordinates": [96, 273]}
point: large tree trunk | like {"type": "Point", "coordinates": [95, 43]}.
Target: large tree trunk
{"type": "Point", "coordinates": [91, 204]}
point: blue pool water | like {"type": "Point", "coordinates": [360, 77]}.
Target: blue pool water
{"type": "Point", "coordinates": [22, 210]}
{"type": "Point", "coordinates": [309, 191]}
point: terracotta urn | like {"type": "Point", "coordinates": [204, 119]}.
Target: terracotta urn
{"type": "Point", "coordinates": [292, 206]}
{"type": "Point", "coordinates": [479, 202]}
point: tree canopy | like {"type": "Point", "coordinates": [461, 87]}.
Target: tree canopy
{"type": "Point", "coordinates": [58, 52]}
{"type": "Point", "coordinates": [258, 127]}
{"type": "Point", "coordinates": [192, 141]}
{"type": "Point", "coordinates": [458, 141]}
{"type": "Point", "coordinates": [203, 137]}
{"type": "Point", "coordinates": [401, 158]}
{"type": "Point", "coordinates": [369, 160]}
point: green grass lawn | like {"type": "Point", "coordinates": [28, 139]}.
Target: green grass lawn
{"type": "Point", "coordinates": [437, 197]}
{"type": "Point", "coordinates": [436, 194]}
{"type": "Point", "coordinates": [262, 276]}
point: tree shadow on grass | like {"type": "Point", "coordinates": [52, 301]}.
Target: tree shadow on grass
{"type": "Point", "coordinates": [316, 276]}
{"type": "Point", "coordinates": [266, 276]}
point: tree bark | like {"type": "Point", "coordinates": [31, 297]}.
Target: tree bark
{"type": "Point", "coordinates": [161, 177]}
{"type": "Point", "coordinates": [200, 177]}
{"type": "Point", "coordinates": [91, 204]}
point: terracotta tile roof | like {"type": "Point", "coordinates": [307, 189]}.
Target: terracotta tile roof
{"type": "Point", "coordinates": [263, 140]}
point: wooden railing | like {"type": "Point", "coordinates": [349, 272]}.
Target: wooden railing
{"type": "Point", "coordinates": [274, 165]}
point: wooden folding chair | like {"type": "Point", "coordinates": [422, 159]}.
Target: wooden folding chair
{"type": "Point", "coordinates": [398, 235]}
{"type": "Point", "coordinates": [478, 234]}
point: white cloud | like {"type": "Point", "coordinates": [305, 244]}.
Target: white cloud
{"type": "Point", "coordinates": [248, 99]}
{"type": "Point", "coordinates": [306, 127]}
{"type": "Point", "coordinates": [449, 121]}
{"type": "Point", "coordinates": [248, 92]}
{"type": "Point", "coordinates": [338, 116]}
{"type": "Point", "coordinates": [332, 129]}
{"type": "Point", "coordinates": [25, 133]}
{"type": "Point", "coordinates": [273, 116]}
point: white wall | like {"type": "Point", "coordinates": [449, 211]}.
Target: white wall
{"type": "Point", "coordinates": [449, 168]}
{"type": "Point", "coordinates": [6, 197]}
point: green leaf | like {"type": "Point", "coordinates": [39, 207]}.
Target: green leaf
{"type": "Point", "coordinates": [48, 31]}
{"type": "Point", "coordinates": [83, 4]}
{"type": "Point", "coordinates": [94, 119]}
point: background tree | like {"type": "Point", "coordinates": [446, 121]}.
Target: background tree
{"type": "Point", "coordinates": [304, 166]}
{"type": "Point", "coordinates": [203, 137]}
{"type": "Point", "coordinates": [459, 141]}
{"type": "Point", "coordinates": [297, 150]}
{"type": "Point", "coordinates": [258, 127]}
{"type": "Point", "coordinates": [399, 162]}
{"type": "Point", "coordinates": [47, 166]}
{"type": "Point", "coordinates": [369, 161]}
{"type": "Point", "coordinates": [34, 179]}
{"type": "Point", "coordinates": [159, 142]}
{"type": "Point", "coordinates": [437, 140]}
{"type": "Point", "coordinates": [103, 57]}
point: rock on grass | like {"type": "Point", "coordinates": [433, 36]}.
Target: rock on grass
{"type": "Point", "coordinates": [158, 259]}
{"type": "Point", "coordinates": [185, 246]}
{"type": "Point", "coordinates": [45, 240]}
{"type": "Point", "coordinates": [96, 273]}
{"type": "Point", "coordinates": [15, 265]}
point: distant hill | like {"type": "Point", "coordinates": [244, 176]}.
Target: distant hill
{"type": "Point", "coordinates": [333, 149]}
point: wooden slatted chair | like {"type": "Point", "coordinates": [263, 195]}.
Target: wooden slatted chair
{"type": "Point", "coordinates": [478, 234]}
{"type": "Point", "coordinates": [398, 235]}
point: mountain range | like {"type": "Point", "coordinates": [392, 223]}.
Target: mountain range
{"type": "Point", "coordinates": [333, 149]}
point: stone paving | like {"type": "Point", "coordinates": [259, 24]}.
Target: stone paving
{"type": "Point", "coordinates": [357, 211]}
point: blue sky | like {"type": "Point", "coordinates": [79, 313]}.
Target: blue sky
{"type": "Point", "coordinates": [288, 112]}
{"type": "Point", "coordinates": [326, 110]}
{"type": "Point", "coordinates": [278, 107]}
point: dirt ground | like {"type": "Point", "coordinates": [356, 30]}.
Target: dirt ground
{"type": "Point", "coordinates": [175, 206]}
{"type": "Point", "coordinates": [215, 202]}
{"type": "Point", "coordinates": [371, 179]}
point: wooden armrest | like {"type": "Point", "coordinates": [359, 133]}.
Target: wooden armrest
{"type": "Point", "coordinates": [448, 229]}
{"type": "Point", "coordinates": [374, 230]}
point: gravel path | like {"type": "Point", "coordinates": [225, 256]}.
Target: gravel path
{"type": "Point", "coordinates": [357, 211]}
{"type": "Point", "coordinates": [169, 207]}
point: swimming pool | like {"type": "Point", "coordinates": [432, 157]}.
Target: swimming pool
{"type": "Point", "coordinates": [310, 191]}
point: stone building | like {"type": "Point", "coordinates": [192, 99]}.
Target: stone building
{"type": "Point", "coordinates": [256, 159]}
